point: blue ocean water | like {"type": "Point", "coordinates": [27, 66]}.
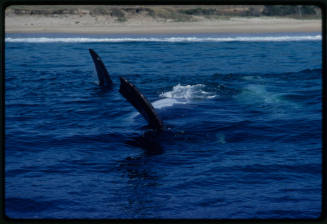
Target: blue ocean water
{"type": "Point", "coordinates": [243, 113]}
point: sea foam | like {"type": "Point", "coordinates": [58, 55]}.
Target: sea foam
{"type": "Point", "coordinates": [187, 92]}
{"type": "Point", "coordinates": [182, 94]}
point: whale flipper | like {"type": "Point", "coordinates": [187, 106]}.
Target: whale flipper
{"type": "Point", "coordinates": [133, 95]}
{"type": "Point", "coordinates": [103, 75]}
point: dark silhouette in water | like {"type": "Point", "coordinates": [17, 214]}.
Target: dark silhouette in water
{"type": "Point", "coordinates": [138, 100]}
{"type": "Point", "coordinates": [149, 140]}
{"type": "Point", "coordinates": [103, 75]}
{"type": "Point", "coordinates": [129, 91]}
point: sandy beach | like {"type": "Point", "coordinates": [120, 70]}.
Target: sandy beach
{"type": "Point", "coordinates": [87, 24]}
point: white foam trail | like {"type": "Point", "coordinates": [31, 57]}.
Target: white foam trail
{"type": "Point", "coordinates": [164, 39]}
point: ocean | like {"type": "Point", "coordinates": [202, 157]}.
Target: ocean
{"type": "Point", "coordinates": [243, 113]}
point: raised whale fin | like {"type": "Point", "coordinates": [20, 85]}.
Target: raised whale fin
{"type": "Point", "coordinates": [133, 95]}
{"type": "Point", "coordinates": [103, 75]}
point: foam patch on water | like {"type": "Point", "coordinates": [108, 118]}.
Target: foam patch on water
{"type": "Point", "coordinates": [259, 93]}
{"type": "Point", "coordinates": [188, 92]}
{"type": "Point", "coordinates": [182, 95]}
{"type": "Point", "coordinates": [273, 38]}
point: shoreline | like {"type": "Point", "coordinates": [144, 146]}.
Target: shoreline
{"type": "Point", "coordinates": [91, 25]}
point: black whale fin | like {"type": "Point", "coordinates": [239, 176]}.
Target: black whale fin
{"type": "Point", "coordinates": [103, 75]}
{"type": "Point", "coordinates": [133, 95]}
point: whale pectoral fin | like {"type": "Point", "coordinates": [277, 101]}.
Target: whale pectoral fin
{"type": "Point", "coordinates": [103, 75]}
{"type": "Point", "coordinates": [136, 98]}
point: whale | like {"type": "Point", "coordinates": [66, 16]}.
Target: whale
{"type": "Point", "coordinates": [133, 95]}
{"type": "Point", "coordinates": [149, 140]}
{"type": "Point", "coordinates": [102, 73]}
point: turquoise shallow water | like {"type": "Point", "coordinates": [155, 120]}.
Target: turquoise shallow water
{"type": "Point", "coordinates": [244, 114]}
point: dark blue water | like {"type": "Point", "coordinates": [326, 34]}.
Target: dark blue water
{"type": "Point", "coordinates": [244, 117]}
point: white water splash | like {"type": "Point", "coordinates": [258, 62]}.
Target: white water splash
{"type": "Point", "coordinates": [182, 95]}
{"type": "Point", "coordinates": [188, 92]}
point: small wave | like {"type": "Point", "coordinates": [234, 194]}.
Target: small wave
{"type": "Point", "coordinates": [165, 39]}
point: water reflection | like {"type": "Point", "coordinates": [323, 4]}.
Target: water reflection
{"type": "Point", "coordinates": [142, 182]}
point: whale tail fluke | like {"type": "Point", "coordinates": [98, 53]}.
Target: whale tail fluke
{"type": "Point", "coordinates": [103, 75]}
{"type": "Point", "coordinates": [136, 98]}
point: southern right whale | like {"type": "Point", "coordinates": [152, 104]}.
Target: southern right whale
{"type": "Point", "coordinates": [138, 100]}
{"type": "Point", "coordinates": [130, 92]}
{"type": "Point", "coordinates": [103, 74]}
{"type": "Point", "coordinates": [151, 139]}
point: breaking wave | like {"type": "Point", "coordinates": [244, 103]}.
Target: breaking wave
{"type": "Point", "coordinates": [258, 38]}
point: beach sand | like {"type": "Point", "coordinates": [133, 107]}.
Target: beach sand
{"type": "Point", "coordinates": [87, 24]}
